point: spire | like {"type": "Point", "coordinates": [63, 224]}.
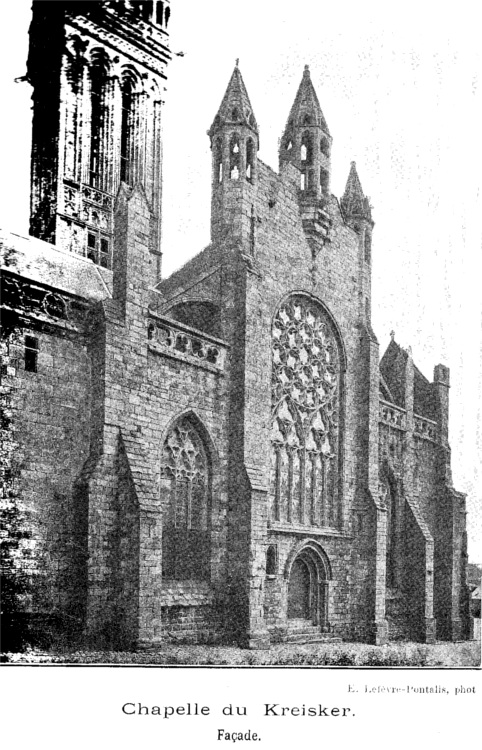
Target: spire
{"type": "Point", "coordinates": [354, 202]}
{"type": "Point", "coordinates": [235, 107]}
{"type": "Point", "coordinates": [306, 142]}
{"type": "Point", "coordinates": [306, 108]}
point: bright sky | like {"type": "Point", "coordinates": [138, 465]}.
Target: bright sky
{"type": "Point", "coordinates": [399, 85]}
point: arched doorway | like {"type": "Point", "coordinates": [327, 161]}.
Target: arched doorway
{"type": "Point", "coordinates": [299, 591]}
{"type": "Point", "coordinates": [308, 572]}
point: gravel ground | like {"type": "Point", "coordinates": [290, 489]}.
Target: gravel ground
{"type": "Point", "coordinates": [462, 654]}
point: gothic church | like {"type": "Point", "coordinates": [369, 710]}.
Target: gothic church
{"type": "Point", "coordinates": [219, 456]}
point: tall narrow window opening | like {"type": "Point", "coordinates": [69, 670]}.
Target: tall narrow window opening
{"type": "Point", "coordinates": [368, 247]}
{"type": "Point", "coordinates": [271, 560]}
{"type": "Point", "coordinates": [249, 160]}
{"type": "Point", "coordinates": [31, 354]}
{"type": "Point", "coordinates": [126, 129]}
{"type": "Point", "coordinates": [306, 148]}
{"type": "Point", "coordinates": [97, 124]}
{"type": "Point", "coordinates": [218, 160]}
{"type": "Point", "coordinates": [159, 13]}
{"type": "Point", "coordinates": [234, 158]}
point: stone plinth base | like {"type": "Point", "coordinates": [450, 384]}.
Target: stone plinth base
{"type": "Point", "coordinates": [378, 632]}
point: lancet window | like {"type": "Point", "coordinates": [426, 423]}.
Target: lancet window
{"type": "Point", "coordinates": [305, 438]}
{"type": "Point", "coordinates": [185, 473]}
{"type": "Point", "coordinates": [98, 123]}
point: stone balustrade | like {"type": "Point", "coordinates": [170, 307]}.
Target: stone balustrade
{"type": "Point", "coordinates": [425, 428]}
{"type": "Point", "coordinates": [175, 339]}
{"type": "Point", "coordinates": [392, 415]}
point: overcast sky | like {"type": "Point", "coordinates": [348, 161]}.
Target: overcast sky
{"type": "Point", "coordinates": [399, 85]}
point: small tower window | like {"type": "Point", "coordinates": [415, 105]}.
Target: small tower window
{"type": "Point", "coordinates": [307, 120]}
{"type": "Point", "coordinates": [31, 354]}
{"type": "Point", "coordinates": [234, 158]}
{"type": "Point", "coordinates": [306, 151]}
{"type": "Point", "coordinates": [302, 181]}
{"type": "Point", "coordinates": [325, 147]}
{"type": "Point", "coordinates": [249, 160]}
{"type": "Point", "coordinates": [235, 114]}
{"type": "Point", "coordinates": [289, 145]}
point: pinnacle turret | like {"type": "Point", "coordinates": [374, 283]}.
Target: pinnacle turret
{"type": "Point", "coordinates": [354, 203]}
{"type": "Point", "coordinates": [306, 141]}
{"type": "Point", "coordinates": [234, 145]}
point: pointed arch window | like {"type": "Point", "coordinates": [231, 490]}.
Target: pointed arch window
{"type": "Point", "coordinates": [306, 434]}
{"type": "Point", "coordinates": [186, 480]}
{"type": "Point", "coordinates": [389, 493]}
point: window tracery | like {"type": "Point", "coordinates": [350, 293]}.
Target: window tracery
{"type": "Point", "coordinates": [186, 477]}
{"type": "Point", "coordinates": [306, 389]}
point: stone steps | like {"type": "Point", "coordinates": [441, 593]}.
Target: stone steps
{"type": "Point", "coordinates": [301, 631]}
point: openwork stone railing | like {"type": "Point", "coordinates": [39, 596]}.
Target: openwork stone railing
{"type": "Point", "coordinates": [425, 428]}
{"type": "Point", "coordinates": [175, 339]}
{"type": "Point", "coordinates": [392, 415]}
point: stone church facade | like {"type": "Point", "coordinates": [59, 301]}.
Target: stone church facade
{"type": "Point", "coordinates": [218, 456]}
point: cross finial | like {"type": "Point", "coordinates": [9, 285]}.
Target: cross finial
{"type": "Point", "coordinates": [392, 335]}
{"type": "Point", "coordinates": [237, 61]}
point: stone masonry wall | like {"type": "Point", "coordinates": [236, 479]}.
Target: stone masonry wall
{"type": "Point", "coordinates": [50, 414]}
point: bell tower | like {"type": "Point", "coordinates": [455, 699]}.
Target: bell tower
{"type": "Point", "coordinates": [98, 71]}
{"type": "Point", "coordinates": [234, 143]}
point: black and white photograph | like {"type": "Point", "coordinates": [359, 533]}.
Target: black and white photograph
{"type": "Point", "coordinates": [241, 366]}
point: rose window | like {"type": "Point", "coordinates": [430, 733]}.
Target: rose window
{"type": "Point", "coordinates": [305, 437]}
